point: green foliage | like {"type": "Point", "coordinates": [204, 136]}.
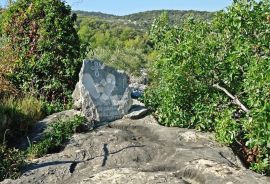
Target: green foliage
{"type": "Point", "coordinates": [257, 134]}
{"type": "Point", "coordinates": [45, 46]}
{"type": "Point", "coordinates": [233, 52]}
{"type": "Point", "coordinates": [49, 108]}
{"type": "Point", "coordinates": [55, 136]}
{"type": "Point", "coordinates": [101, 33]}
{"type": "Point", "coordinates": [176, 102]}
{"type": "Point", "coordinates": [227, 128]}
{"type": "Point", "coordinates": [11, 162]}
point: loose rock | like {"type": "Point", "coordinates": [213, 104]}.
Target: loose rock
{"type": "Point", "coordinates": [137, 111]}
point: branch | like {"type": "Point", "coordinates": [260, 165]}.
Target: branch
{"type": "Point", "coordinates": [234, 98]}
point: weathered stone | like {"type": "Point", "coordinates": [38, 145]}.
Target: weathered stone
{"type": "Point", "coordinates": [102, 92]}
{"type": "Point", "coordinates": [140, 151]}
{"type": "Point", "coordinates": [137, 111]}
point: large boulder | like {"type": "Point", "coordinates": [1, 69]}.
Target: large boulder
{"type": "Point", "coordinates": [102, 93]}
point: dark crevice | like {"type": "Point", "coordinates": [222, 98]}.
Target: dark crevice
{"type": "Point", "coordinates": [230, 162]}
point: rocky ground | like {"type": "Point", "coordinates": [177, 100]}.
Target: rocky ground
{"type": "Point", "coordinates": [140, 151]}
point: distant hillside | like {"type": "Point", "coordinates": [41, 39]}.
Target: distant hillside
{"type": "Point", "coordinates": [145, 19]}
{"type": "Point", "coordinates": [95, 14]}
{"type": "Point", "coordinates": [176, 16]}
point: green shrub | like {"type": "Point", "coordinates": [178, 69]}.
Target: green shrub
{"type": "Point", "coordinates": [11, 162]}
{"type": "Point", "coordinates": [55, 136]}
{"type": "Point", "coordinates": [45, 47]}
{"type": "Point", "coordinates": [49, 108]}
{"type": "Point", "coordinates": [227, 128]}
{"type": "Point", "coordinates": [177, 93]}
{"type": "Point", "coordinates": [200, 63]}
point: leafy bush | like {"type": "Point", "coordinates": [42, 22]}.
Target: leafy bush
{"type": "Point", "coordinates": [11, 162]}
{"type": "Point", "coordinates": [49, 108]}
{"type": "Point", "coordinates": [216, 76]}
{"type": "Point", "coordinates": [55, 135]}
{"type": "Point", "coordinates": [44, 45]}
{"type": "Point", "coordinates": [176, 93]}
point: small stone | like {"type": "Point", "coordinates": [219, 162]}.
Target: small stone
{"type": "Point", "coordinates": [137, 113]}
{"type": "Point", "coordinates": [78, 151]}
{"type": "Point", "coordinates": [35, 160]}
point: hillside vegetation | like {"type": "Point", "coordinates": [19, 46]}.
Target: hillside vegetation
{"type": "Point", "coordinates": [116, 43]}
{"type": "Point", "coordinates": [144, 20]}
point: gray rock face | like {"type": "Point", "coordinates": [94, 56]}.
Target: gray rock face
{"type": "Point", "coordinates": [102, 92]}
{"type": "Point", "coordinates": [137, 152]}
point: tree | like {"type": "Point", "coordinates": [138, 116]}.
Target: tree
{"type": "Point", "coordinates": [45, 45]}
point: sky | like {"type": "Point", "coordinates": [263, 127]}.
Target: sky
{"type": "Point", "coordinates": [124, 7]}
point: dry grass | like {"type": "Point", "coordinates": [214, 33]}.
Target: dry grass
{"type": "Point", "coordinates": [17, 115]}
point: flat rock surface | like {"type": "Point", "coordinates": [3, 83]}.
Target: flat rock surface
{"type": "Point", "coordinates": [140, 151]}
